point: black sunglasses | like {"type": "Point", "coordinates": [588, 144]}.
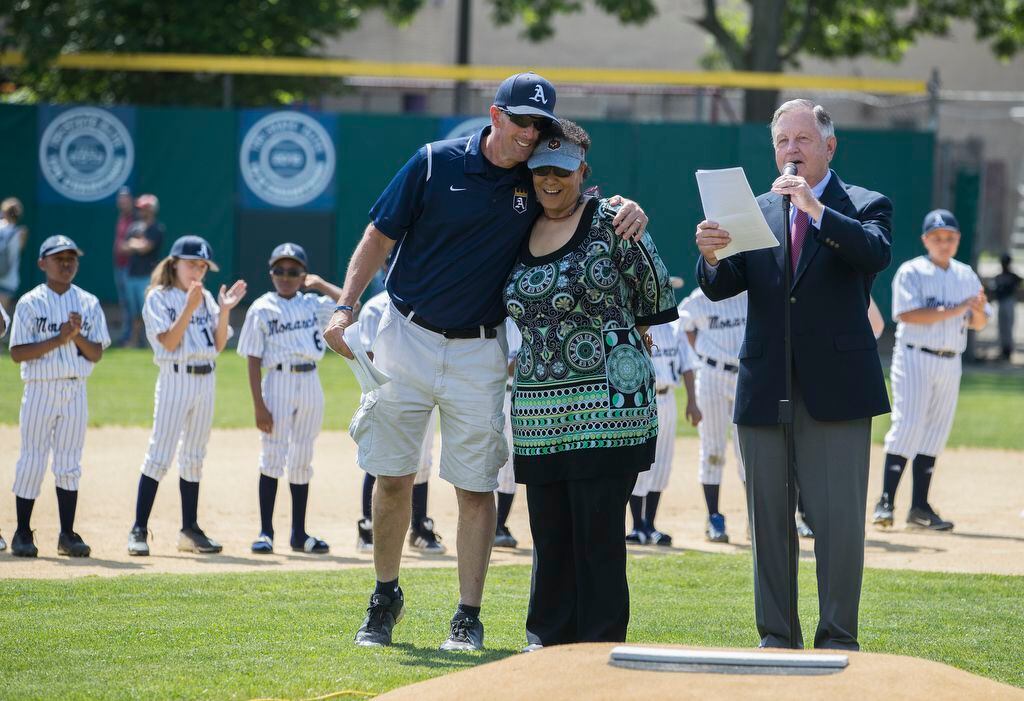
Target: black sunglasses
{"type": "Point", "coordinates": [526, 120]}
{"type": "Point", "coordinates": [287, 272]}
{"type": "Point", "coordinates": [544, 171]}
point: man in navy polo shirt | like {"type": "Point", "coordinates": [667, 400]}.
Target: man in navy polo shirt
{"type": "Point", "coordinates": [458, 212]}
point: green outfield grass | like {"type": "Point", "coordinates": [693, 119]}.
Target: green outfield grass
{"type": "Point", "coordinates": [289, 634]}
{"type": "Point", "coordinates": [990, 413]}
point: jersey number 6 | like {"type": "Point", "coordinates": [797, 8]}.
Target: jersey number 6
{"type": "Point", "coordinates": [316, 340]}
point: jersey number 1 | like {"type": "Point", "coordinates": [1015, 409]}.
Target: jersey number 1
{"type": "Point", "coordinates": [209, 340]}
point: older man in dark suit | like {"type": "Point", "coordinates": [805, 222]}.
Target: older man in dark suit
{"type": "Point", "coordinates": [841, 241]}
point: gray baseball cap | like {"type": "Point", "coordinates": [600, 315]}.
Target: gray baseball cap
{"type": "Point", "coordinates": [557, 152]}
{"type": "Point", "coordinates": [939, 219]}
{"type": "Point", "coordinates": [56, 244]}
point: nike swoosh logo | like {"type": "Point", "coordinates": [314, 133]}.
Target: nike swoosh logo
{"type": "Point", "coordinates": [456, 189]}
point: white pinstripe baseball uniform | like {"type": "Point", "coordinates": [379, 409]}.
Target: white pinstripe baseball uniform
{"type": "Point", "coordinates": [369, 322]}
{"type": "Point", "coordinates": [925, 386]}
{"type": "Point", "coordinates": [720, 327]}
{"type": "Point", "coordinates": [54, 409]}
{"type": "Point", "coordinates": [507, 474]}
{"type": "Point", "coordinates": [7, 321]}
{"type": "Point", "coordinates": [672, 356]}
{"type": "Point", "coordinates": [286, 335]}
{"type": "Point", "coordinates": [183, 405]}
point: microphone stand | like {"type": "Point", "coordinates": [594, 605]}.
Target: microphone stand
{"type": "Point", "coordinates": [786, 419]}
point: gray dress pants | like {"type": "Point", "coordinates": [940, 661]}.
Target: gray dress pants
{"type": "Point", "coordinates": [832, 474]}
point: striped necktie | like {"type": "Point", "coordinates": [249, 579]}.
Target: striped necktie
{"type": "Point", "coordinates": [799, 233]}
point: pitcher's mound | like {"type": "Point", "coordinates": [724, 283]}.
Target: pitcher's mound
{"type": "Point", "coordinates": [582, 672]}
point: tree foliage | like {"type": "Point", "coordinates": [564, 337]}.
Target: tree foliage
{"type": "Point", "coordinates": [788, 30]}
{"type": "Point", "coordinates": [44, 29]}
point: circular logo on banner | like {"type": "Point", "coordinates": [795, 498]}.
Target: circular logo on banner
{"type": "Point", "coordinates": [86, 154]}
{"type": "Point", "coordinates": [287, 159]}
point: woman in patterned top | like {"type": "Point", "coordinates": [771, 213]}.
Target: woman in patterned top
{"type": "Point", "coordinates": [584, 415]}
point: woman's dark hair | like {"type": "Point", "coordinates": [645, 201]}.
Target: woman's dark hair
{"type": "Point", "coordinates": [572, 132]}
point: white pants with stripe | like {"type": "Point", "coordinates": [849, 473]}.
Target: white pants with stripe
{"type": "Point", "coordinates": [296, 402]}
{"type": "Point", "coordinates": [507, 474]}
{"type": "Point", "coordinates": [53, 417]}
{"type": "Point", "coordinates": [925, 389]}
{"type": "Point", "coordinates": [716, 393]}
{"type": "Point", "coordinates": [182, 417]}
{"type": "Point", "coordinates": [656, 479]}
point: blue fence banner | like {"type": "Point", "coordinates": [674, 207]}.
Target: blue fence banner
{"type": "Point", "coordinates": [286, 160]}
{"type": "Point", "coordinates": [85, 153]}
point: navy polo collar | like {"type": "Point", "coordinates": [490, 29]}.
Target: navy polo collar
{"type": "Point", "coordinates": [475, 161]}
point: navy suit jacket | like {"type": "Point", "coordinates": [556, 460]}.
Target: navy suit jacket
{"type": "Point", "coordinates": [835, 355]}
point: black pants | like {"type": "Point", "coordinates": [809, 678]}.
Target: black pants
{"type": "Point", "coordinates": [578, 592]}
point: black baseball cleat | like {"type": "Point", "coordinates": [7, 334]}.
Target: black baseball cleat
{"type": "Point", "coordinates": [138, 541]}
{"type": "Point", "coordinates": [364, 541]}
{"type": "Point", "coordinates": [883, 514]}
{"type": "Point", "coordinates": [467, 633]}
{"type": "Point", "coordinates": [925, 517]}
{"type": "Point", "coordinates": [656, 537]}
{"type": "Point", "coordinates": [382, 615]}
{"type": "Point", "coordinates": [636, 537]}
{"type": "Point", "coordinates": [503, 538]}
{"type": "Point", "coordinates": [193, 540]}
{"type": "Point", "coordinates": [310, 544]}
{"type": "Point", "coordinates": [23, 545]}
{"type": "Point", "coordinates": [72, 545]}
{"type": "Point", "coordinates": [422, 537]}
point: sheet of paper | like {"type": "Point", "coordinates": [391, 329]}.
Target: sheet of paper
{"type": "Point", "coordinates": [367, 375]}
{"type": "Point", "coordinates": [728, 200]}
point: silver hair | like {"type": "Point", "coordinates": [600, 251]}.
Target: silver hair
{"type": "Point", "coordinates": [822, 118]}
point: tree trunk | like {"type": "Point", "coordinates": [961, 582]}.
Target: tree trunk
{"type": "Point", "coordinates": [764, 50]}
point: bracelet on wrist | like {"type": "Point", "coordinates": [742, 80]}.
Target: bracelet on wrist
{"type": "Point", "coordinates": [343, 308]}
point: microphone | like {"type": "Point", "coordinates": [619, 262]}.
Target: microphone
{"type": "Point", "coordinates": [788, 169]}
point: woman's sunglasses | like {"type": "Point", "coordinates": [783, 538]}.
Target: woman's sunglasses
{"type": "Point", "coordinates": [526, 120]}
{"type": "Point", "coordinates": [287, 272]}
{"type": "Point", "coordinates": [544, 171]}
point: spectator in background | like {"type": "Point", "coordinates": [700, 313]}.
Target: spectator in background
{"type": "Point", "coordinates": [12, 240]}
{"type": "Point", "coordinates": [1004, 289]}
{"type": "Point", "coordinates": [125, 218]}
{"type": "Point", "coordinates": [142, 246]}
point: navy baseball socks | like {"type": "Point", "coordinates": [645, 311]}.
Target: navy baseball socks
{"type": "Point", "coordinates": [268, 496]}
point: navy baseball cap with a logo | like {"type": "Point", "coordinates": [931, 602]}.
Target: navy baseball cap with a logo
{"type": "Point", "coordinates": [526, 93]}
{"type": "Point", "coordinates": [56, 244]}
{"type": "Point", "coordinates": [194, 248]}
{"type": "Point", "coordinates": [289, 250]}
{"type": "Point", "coordinates": [939, 219]}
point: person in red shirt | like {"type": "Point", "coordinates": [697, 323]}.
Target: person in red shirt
{"type": "Point", "coordinates": [125, 218]}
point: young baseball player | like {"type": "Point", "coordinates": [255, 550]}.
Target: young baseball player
{"type": "Point", "coordinates": [187, 329]}
{"type": "Point", "coordinates": [716, 331]}
{"type": "Point", "coordinates": [505, 494]}
{"type": "Point", "coordinates": [58, 336]}
{"type": "Point", "coordinates": [281, 335]}
{"type": "Point", "coordinates": [422, 535]}
{"type": "Point", "coordinates": [935, 299]}
{"type": "Point", "coordinates": [673, 359]}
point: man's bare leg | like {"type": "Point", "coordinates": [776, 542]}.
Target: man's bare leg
{"type": "Point", "coordinates": [392, 510]}
{"type": "Point", "coordinates": [477, 519]}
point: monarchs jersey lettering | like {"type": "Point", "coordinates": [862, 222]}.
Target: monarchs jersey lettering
{"type": "Point", "coordinates": [920, 284]}
{"type": "Point", "coordinates": [286, 331]}
{"type": "Point", "coordinates": [720, 326]}
{"type": "Point", "coordinates": [163, 307]}
{"type": "Point", "coordinates": [671, 354]}
{"type": "Point", "coordinates": [38, 316]}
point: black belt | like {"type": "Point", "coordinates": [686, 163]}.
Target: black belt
{"type": "Point", "coordinates": [301, 367]}
{"type": "Point", "coordinates": [712, 363]}
{"type": "Point", "coordinates": [482, 331]}
{"type": "Point", "coordinates": [195, 369]}
{"type": "Point", "coordinates": [932, 351]}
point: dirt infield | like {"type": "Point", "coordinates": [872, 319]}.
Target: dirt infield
{"type": "Point", "coordinates": [582, 671]}
{"type": "Point", "coordinates": [981, 490]}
